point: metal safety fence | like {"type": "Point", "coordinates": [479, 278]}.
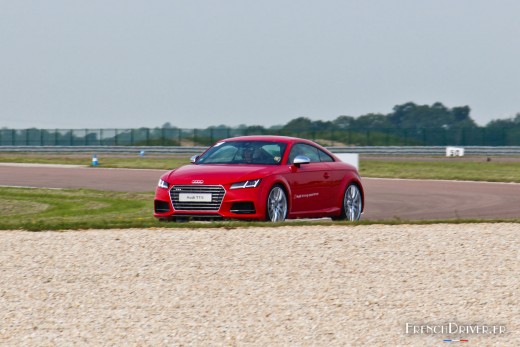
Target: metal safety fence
{"type": "Point", "coordinates": [476, 136]}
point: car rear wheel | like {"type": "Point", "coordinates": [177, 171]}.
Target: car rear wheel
{"type": "Point", "coordinates": [276, 204]}
{"type": "Point", "coordinates": [352, 204]}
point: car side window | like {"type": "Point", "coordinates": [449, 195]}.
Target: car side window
{"type": "Point", "coordinates": [306, 150]}
{"type": "Point", "coordinates": [324, 157]}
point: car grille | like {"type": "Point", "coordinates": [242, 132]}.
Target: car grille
{"type": "Point", "coordinates": [217, 194]}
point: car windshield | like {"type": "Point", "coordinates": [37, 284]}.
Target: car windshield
{"type": "Point", "coordinates": [244, 152]}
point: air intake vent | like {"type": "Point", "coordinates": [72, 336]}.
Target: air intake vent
{"type": "Point", "coordinates": [245, 207]}
{"type": "Point", "coordinates": [161, 206]}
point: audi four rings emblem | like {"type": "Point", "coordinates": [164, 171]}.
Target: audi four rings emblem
{"type": "Point", "coordinates": [197, 182]}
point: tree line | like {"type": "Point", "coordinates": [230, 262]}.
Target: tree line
{"type": "Point", "coordinates": [405, 116]}
{"type": "Point", "coordinates": [407, 124]}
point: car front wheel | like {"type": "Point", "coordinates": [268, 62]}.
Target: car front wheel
{"type": "Point", "coordinates": [276, 204]}
{"type": "Point", "coordinates": [352, 204]}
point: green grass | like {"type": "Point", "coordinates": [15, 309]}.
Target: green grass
{"type": "Point", "coordinates": [443, 170]}
{"type": "Point", "coordinates": [143, 163]}
{"type": "Point", "coordinates": [162, 162]}
{"type": "Point", "coordinates": [54, 209]}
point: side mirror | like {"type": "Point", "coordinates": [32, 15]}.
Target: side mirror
{"type": "Point", "coordinates": [194, 159]}
{"type": "Point", "coordinates": [301, 159]}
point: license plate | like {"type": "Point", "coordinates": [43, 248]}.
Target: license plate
{"type": "Point", "coordinates": [184, 197]}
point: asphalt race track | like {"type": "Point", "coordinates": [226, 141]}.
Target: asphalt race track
{"type": "Point", "coordinates": [386, 199]}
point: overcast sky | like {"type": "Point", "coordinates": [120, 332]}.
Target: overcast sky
{"type": "Point", "coordinates": [127, 64]}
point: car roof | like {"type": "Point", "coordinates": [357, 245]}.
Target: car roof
{"type": "Point", "coordinates": [269, 138]}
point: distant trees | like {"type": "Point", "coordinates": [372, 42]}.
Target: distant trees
{"type": "Point", "coordinates": [513, 122]}
{"type": "Point", "coordinates": [506, 131]}
{"type": "Point", "coordinates": [373, 120]}
{"type": "Point", "coordinates": [405, 116]}
{"type": "Point", "coordinates": [407, 124]}
{"type": "Point", "coordinates": [344, 122]}
{"type": "Point", "coordinates": [410, 115]}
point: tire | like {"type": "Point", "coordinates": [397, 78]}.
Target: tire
{"type": "Point", "coordinates": [276, 205]}
{"type": "Point", "coordinates": [352, 204]}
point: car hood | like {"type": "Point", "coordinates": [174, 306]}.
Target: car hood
{"type": "Point", "coordinates": [217, 174]}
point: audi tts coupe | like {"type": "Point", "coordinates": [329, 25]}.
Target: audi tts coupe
{"type": "Point", "coordinates": [269, 178]}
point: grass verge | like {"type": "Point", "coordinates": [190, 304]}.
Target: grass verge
{"type": "Point", "coordinates": [162, 162]}
{"type": "Point", "coordinates": [443, 170]}
{"type": "Point", "coordinates": [54, 209]}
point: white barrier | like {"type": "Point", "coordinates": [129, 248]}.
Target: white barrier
{"type": "Point", "coordinates": [349, 158]}
{"type": "Point", "coordinates": [454, 151]}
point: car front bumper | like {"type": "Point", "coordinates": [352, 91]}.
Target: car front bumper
{"type": "Point", "coordinates": [247, 203]}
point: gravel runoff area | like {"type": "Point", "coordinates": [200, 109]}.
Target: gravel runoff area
{"type": "Point", "coordinates": [287, 286]}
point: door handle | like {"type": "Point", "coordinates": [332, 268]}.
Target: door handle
{"type": "Point", "coordinates": [326, 175]}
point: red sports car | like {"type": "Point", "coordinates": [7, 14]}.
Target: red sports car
{"type": "Point", "coordinates": [262, 178]}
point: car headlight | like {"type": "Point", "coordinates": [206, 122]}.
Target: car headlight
{"type": "Point", "coordinates": [246, 184]}
{"type": "Point", "coordinates": [163, 184]}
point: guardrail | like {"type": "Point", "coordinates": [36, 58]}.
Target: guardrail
{"type": "Point", "coordinates": [185, 150]}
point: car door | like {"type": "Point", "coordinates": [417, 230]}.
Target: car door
{"type": "Point", "coordinates": [332, 189]}
{"type": "Point", "coordinates": [308, 181]}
